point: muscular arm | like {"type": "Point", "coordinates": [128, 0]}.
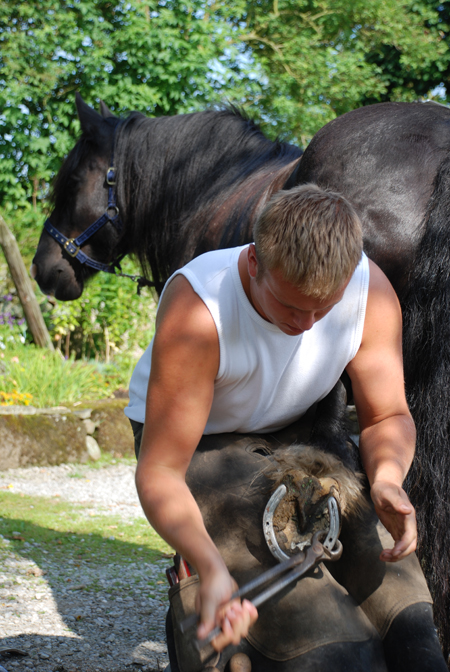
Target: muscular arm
{"type": "Point", "coordinates": [387, 430]}
{"type": "Point", "coordinates": [185, 362]}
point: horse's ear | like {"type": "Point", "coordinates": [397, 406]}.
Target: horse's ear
{"type": "Point", "coordinates": [105, 111]}
{"type": "Point", "coordinates": [91, 122]}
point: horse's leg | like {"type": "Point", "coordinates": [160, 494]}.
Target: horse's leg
{"type": "Point", "coordinates": [411, 642]}
{"type": "Point", "coordinates": [329, 430]}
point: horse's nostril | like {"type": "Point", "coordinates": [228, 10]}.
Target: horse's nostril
{"type": "Point", "coordinates": [33, 271]}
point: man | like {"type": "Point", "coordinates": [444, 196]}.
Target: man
{"type": "Point", "coordinates": [246, 340]}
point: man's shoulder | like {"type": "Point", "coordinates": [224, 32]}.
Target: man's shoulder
{"type": "Point", "coordinates": [204, 270]}
{"type": "Point", "coordinates": [209, 278]}
{"type": "Point", "coordinates": [183, 318]}
{"type": "Point", "coordinates": [383, 320]}
{"type": "Point", "coordinates": [215, 258]}
{"type": "Point", "coordinates": [379, 282]}
{"type": "Point", "coordinates": [180, 297]}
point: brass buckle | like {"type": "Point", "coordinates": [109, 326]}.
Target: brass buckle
{"type": "Point", "coordinates": [69, 243]}
{"type": "Point", "coordinates": [108, 181]}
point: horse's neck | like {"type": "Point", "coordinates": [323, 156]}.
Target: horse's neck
{"type": "Point", "coordinates": [231, 223]}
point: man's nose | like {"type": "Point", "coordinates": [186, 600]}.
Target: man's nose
{"type": "Point", "coordinates": [304, 321]}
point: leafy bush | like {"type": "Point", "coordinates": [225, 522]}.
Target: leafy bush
{"type": "Point", "coordinates": [107, 323]}
{"type": "Point", "coordinates": [12, 323]}
{"type": "Point", "coordinates": [108, 319]}
{"type": "Point", "coordinates": [50, 380]}
{"type": "Point", "coordinates": [99, 337]}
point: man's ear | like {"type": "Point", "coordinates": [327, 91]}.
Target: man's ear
{"type": "Point", "coordinates": [252, 261]}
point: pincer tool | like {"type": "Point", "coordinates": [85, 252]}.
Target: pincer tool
{"type": "Point", "coordinates": [325, 545]}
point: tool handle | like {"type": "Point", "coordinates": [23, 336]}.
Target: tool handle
{"type": "Point", "coordinates": [201, 643]}
{"type": "Point", "coordinates": [314, 555]}
{"type": "Point", "coordinates": [260, 580]}
{"type": "Point", "coordinates": [193, 619]}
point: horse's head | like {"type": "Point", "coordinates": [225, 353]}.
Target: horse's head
{"type": "Point", "coordinates": [79, 198]}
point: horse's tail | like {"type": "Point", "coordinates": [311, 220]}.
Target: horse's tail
{"type": "Point", "coordinates": [426, 311]}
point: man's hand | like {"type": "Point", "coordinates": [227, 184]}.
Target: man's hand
{"type": "Point", "coordinates": [398, 516]}
{"type": "Point", "coordinates": [213, 604]}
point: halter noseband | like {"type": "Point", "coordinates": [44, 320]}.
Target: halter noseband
{"type": "Point", "coordinates": [73, 245]}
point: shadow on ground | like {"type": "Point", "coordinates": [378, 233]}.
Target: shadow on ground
{"type": "Point", "coordinates": [80, 602]}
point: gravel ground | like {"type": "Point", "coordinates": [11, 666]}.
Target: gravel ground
{"type": "Point", "coordinates": [66, 629]}
{"type": "Point", "coordinates": [109, 490]}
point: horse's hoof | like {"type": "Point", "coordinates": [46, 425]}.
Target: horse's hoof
{"type": "Point", "coordinates": [240, 662]}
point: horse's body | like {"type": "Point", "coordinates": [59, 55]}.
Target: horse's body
{"type": "Point", "coordinates": [196, 182]}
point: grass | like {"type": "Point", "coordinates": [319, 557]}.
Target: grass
{"type": "Point", "coordinates": [105, 460]}
{"type": "Point", "coordinates": [30, 375]}
{"type": "Point", "coordinates": [45, 529]}
{"type": "Point", "coordinates": [49, 379]}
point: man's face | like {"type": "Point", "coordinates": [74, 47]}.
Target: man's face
{"type": "Point", "coordinates": [285, 305]}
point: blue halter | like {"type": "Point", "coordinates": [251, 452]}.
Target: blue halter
{"type": "Point", "coordinates": [73, 245]}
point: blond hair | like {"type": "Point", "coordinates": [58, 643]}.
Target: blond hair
{"type": "Point", "coordinates": [312, 235]}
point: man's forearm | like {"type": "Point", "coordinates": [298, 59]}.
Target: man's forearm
{"type": "Point", "coordinates": [387, 449]}
{"type": "Point", "coordinates": [173, 512]}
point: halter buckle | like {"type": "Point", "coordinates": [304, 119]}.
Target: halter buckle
{"type": "Point", "coordinates": [111, 176]}
{"type": "Point", "coordinates": [71, 248]}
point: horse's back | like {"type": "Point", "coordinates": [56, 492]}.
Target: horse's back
{"type": "Point", "coordinates": [384, 158]}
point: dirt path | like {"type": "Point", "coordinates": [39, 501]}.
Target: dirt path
{"type": "Point", "coordinates": [79, 602]}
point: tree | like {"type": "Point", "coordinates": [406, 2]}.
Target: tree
{"type": "Point", "coordinates": [151, 56]}
{"type": "Point", "coordinates": [294, 64]}
{"type": "Point", "coordinates": [316, 59]}
{"type": "Point", "coordinates": [404, 78]}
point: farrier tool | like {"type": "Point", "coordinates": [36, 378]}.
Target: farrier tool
{"type": "Point", "coordinates": [290, 568]}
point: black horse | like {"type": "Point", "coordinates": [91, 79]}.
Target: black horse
{"type": "Point", "coordinates": [188, 184]}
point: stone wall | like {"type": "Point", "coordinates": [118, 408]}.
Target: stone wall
{"type": "Point", "coordinates": [47, 436]}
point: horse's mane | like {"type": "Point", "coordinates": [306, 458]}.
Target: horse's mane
{"type": "Point", "coordinates": [175, 175]}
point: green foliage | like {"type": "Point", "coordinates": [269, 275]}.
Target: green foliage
{"type": "Point", "coordinates": [109, 318]}
{"type": "Point", "coordinates": [295, 64]}
{"type": "Point", "coordinates": [151, 56]}
{"type": "Point", "coordinates": [26, 225]}
{"type": "Point", "coordinates": [109, 321]}
{"type": "Point", "coordinates": [320, 58]}
{"type": "Point", "coordinates": [48, 378]}
{"type": "Point", "coordinates": [406, 78]}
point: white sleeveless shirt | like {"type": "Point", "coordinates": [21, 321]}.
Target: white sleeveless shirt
{"type": "Point", "coordinates": [266, 379]}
